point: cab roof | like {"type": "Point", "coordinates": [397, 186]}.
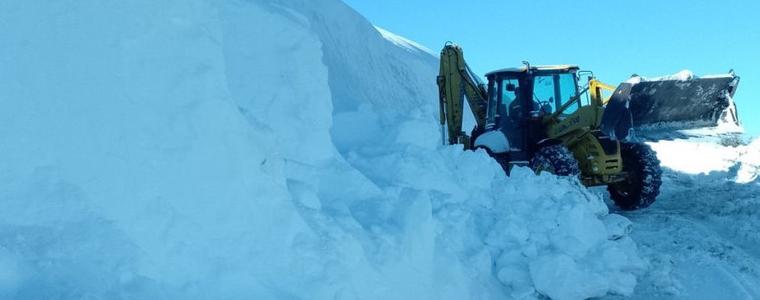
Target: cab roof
{"type": "Point", "coordinates": [523, 69]}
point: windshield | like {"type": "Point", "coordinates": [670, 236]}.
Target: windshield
{"type": "Point", "coordinates": [551, 91]}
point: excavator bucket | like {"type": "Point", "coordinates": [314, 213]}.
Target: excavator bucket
{"type": "Point", "coordinates": [684, 101]}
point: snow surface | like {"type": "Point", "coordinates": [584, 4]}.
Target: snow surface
{"type": "Point", "coordinates": [683, 75]}
{"type": "Point", "coordinates": [699, 240]}
{"type": "Point", "coordinates": [403, 42]}
{"type": "Point", "coordinates": [203, 149]}
{"type": "Point", "coordinates": [706, 155]}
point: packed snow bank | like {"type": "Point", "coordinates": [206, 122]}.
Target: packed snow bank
{"type": "Point", "coordinates": [263, 149]}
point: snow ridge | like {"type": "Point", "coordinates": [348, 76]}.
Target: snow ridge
{"type": "Point", "coordinates": [404, 42]}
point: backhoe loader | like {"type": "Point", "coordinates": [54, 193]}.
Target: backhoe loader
{"type": "Point", "coordinates": [542, 117]}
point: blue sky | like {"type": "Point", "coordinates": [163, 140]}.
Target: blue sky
{"type": "Point", "coordinates": [613, 39]}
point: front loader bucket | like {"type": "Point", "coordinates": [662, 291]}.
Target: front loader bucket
{"type": "Point", "coordinates": [685, 103]}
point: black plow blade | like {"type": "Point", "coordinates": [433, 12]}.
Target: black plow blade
{"type": "Point", "coordinates": [684, 103]}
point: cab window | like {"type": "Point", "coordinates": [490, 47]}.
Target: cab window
{"type": "Point", "coordinates": [551, 91]}
{"type": "Point", "coordinates": [509, 92]}
{"type": "Point", "coordinates": [503, 96]}
{"type": "Point", "coordinates": [568, 89]}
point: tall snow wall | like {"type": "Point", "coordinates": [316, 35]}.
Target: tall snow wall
{"type": "Point", "coordinates": [259, 149]}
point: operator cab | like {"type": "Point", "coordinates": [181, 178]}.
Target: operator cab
{"type": "Point", "coordinates": [519, 98]}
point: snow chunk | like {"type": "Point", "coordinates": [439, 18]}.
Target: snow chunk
{"type": "Point", "coordinates": [634, 80]}
{"type": "Point", "coordinates": [617, 226]}
{"type": "Point", "coordinates": [560, 277]}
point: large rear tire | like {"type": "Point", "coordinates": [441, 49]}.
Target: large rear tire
{"type": "Point", "coordinates": [642, 185]}
{"type": "Point", "coordinates": [555, 159]}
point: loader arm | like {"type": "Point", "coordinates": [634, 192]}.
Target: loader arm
{"type": "Point", "coordinates": [595, 88]}
{"type": "Point", "coordinates": [456, 82]}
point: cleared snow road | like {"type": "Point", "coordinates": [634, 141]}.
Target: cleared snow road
{"type": "Point", "coordinates": [701, 238]}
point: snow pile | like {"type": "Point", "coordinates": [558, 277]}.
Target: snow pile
{"type": "Point", "coordinates": [263, 149]}
{"type": "Point", "coordinates": [559, 241]}
{"type": "Point", "coordinates": [725, 153]}
{"type": "Point", "coordinates": [682, 155]}
{"type": "Point", "coordinates": [683, 75]}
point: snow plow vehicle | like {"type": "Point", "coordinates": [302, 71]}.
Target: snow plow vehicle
{"type": "Point", "coordinates": [542, 117]}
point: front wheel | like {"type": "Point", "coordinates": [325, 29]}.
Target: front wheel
{"type": "Point", "coordinates": [555, 159]}
{"type": "Point", "coordinates": [643, 180]}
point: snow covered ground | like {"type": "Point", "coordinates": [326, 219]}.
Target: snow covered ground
{"type": "Point", "coordinates": [700, 239]}
{"type": "Point", "coordinates": [271, 149]}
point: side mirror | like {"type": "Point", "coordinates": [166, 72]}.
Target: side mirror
{"type": "Point", "coordinates": [511, 87]}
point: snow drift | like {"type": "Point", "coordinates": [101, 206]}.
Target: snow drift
{"type": "Point", "coordinates": [263, 149]}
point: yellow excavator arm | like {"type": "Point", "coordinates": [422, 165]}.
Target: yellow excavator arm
{"type": "Point", "coordinates": [456, 82]}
